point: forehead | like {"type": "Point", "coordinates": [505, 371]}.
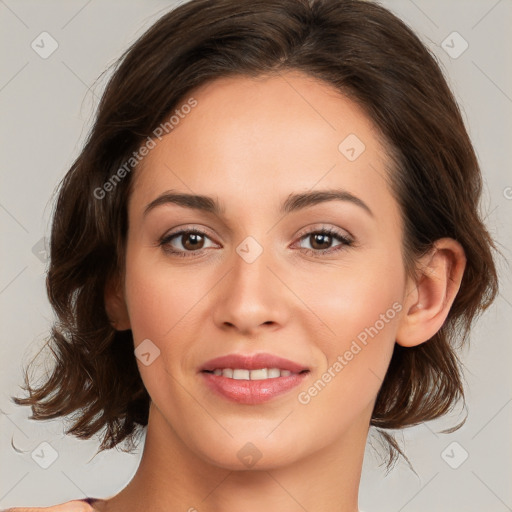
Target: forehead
{"type": "Point", "coordinates": [249, 140]}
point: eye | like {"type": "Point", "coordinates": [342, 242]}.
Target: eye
{"type": "Point", "coordinates": [191, 240]}
{"type": "Point", "coordinates": [320, 241]}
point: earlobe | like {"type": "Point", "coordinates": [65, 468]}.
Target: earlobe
{"type": "Point", "coordinates": [115, 305]}
{"type": "Point", "coordinates": [430, 297]}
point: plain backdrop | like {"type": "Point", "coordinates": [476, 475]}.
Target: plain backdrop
{"type": "Point", "coordinates": [46, 104]}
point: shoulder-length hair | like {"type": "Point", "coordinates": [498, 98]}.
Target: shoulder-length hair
{"type": "Point", "coordinates": [366, 53]}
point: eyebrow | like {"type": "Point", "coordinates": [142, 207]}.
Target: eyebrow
{"type": "Point", "coordinates": [293, 202]}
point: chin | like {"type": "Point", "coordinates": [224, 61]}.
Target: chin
{"type": "Point", "coordinates": [253, 452]}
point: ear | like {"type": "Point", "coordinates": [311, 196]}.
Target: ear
{"type": "Point", "coordinates": [429, 297]}
{"type": "Point", "coordinates": [115, 304]}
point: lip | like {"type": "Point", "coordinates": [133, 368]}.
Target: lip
{"type": "Point", "coordinates": [252, 392]}
{"type": "Point", "coordinates": [253, 362]}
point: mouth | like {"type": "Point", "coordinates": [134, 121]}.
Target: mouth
{"type": "Point", "coordinates": [252, 379]}
{"type": "Point", "coordinates": [258, 374]}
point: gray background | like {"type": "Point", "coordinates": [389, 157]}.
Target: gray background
{"type": "Point", "coordinates": [46, 107]}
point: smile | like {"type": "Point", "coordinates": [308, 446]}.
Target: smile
{"type": "Point", "coordinates": [257, 374]}
{"type": "Point", "coordinates": [252, 387]}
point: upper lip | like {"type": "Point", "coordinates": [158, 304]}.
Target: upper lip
{"type": "Point", "coordinates": [252, 362]}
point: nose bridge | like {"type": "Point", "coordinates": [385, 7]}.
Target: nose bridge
{"type": "Point", "coordinates": [251, 295]}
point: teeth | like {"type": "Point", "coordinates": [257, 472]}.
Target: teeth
{"type": "Point", "coordinates": [241, 374]}
{"type": "Point", "coordinates": [259, 374]}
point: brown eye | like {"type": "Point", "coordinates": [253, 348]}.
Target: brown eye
{"type": "Point", "coordinates": [185, 242]}
{"type": "Point", "coordinates": [192, 241]}
{"type": "Point", "coordinates": [320, 241]}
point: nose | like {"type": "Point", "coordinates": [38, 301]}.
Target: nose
{"type": "Point", "coordinates": [251, 297]}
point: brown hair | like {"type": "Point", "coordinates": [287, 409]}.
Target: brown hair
{"type": "Point", "coordinates": [366, 53]}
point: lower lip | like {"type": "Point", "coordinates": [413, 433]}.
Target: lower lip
{"type": "Point", "coordinates": [252, 391]}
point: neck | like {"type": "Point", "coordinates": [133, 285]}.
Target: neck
{"type": "Point", "coordinates": [172, 477]}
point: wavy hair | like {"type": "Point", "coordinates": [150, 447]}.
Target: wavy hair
{"type": "Point", "coordinates": [366, 53]}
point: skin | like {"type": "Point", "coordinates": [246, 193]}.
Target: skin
{"type": "Point", "coordinates": [250, 143]}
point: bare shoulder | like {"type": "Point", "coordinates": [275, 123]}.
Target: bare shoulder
{"type": "Point", "coordinates": [69, 506]}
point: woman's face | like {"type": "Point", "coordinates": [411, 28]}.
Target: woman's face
{"type": "Point", "coordinates": [261, 278]}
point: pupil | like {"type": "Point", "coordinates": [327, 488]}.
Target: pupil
{"type": "Point", "coordinates": [324, 239]}
{"type": "Point", "coordinates": [195, 240]}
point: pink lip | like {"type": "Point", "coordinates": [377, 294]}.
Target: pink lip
{"type": "Point", "coordinates": [253, 362]}
{"type": "Point", "coordinates": [252, 392]}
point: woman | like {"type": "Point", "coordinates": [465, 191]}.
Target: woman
{"type": "Point", "coordinates": [269, 243]}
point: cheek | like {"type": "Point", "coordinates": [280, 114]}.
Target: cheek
{"type": "Point", "coordinates": [158, 297]}
{"type": "Point", "coordinates": [342, 392]}
{"type": "Point", "coordinates": [362, 310]}
{"type": "Point", "coordinates": [159, 306]}
{"type": "Point", "coordinates": [164, 303]}
{"type": "Point", "coordinates": [359, 297]}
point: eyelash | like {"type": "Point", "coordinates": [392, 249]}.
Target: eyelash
{"type": "Point", "coordinates": [345, 242]}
